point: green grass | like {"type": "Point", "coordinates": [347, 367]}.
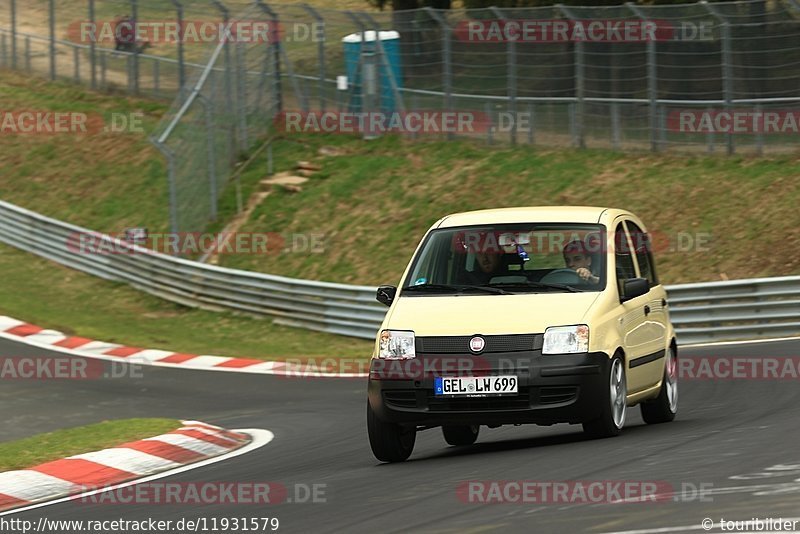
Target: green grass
{"type": "Point", "coordinates": [34, 450]}
{"type": "Point", "coordinates": [375, 202]}
{"type": "Point", "coordinates": [43, 293]}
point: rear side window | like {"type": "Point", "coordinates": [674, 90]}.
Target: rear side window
{"type": "Point", "coordinates": [623, 257]}
{"type": "Point", "coordinates": [642, 248]}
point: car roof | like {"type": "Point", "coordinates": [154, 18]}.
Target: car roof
{"type": "Point", "coordinates": [556, 214]}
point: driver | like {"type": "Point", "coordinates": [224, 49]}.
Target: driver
{"type": "Point", "coordinates": [578, 259]}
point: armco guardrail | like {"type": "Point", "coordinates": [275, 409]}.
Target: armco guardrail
{"type": "Point", "coordinates": [738, 309]}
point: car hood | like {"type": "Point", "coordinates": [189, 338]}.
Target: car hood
{"type": "Point", "coordinates": [450, 315]}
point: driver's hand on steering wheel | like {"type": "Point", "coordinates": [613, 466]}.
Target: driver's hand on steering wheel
{"type": "Point", "coordinates": [586, 275]}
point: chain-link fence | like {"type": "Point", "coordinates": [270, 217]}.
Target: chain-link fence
{"type": "Point", "coordinates": [707, 76]}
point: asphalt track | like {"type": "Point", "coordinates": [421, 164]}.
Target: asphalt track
{"type": "Point", "coordinates": [724, 429]}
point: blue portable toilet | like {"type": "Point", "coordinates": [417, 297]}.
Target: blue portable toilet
{"type": "Point", "coordinates": [354, 46]}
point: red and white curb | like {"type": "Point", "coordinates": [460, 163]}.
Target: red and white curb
{"type": "Point", "coordinates": [37, 336]}
{"type": "Point", "coordinates": [193, 442]}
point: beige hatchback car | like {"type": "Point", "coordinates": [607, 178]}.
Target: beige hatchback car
{"type": "Point", "coordinates": [536, 315]}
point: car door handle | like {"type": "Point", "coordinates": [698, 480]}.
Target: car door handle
{"type": "Point", "coordinates": [663, 302]}
{"type": "Point", "coordinates": [646, 309]}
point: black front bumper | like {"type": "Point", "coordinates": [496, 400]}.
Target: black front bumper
{"type": "Point", "coordinates": [564, 388]}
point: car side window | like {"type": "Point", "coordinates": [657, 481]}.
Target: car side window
{"type": "Point", "coordinates": [644, 254]}
{"type": "Point", "coordinates": [623, 257]}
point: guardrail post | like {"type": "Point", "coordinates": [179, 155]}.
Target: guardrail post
{"type": "Point", "coordinates": [580, 89]}
{"type": "Point", "coordinates": [652, 80]}
{"type": "Point", "coordinates": [14, 34]}
{"type": "Point", "coordinates": [727, 66]}
{"type": "Point", "coordinates": [93, 46]}
{"type": "Point", "coordinates": [320, 53]}
{"type": "Point", "coordinates": [511, 45]}
{"type": "Point", "coordinates": [447, 61]}
{"type": "Point", "coordinates": [134, 72]}
{"type": "Point", "coordinates": [181, 62]}
{"type": "Point", "coordinates": [51, 14]}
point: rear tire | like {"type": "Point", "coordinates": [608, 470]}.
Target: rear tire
{"type": "Point", "coordinates": [461, 435]}
{"type": "Point", "coordinates": [390, 442]}
{"type": "Point", "coordinates": [614, 403]}
{"type": "Point", "coordinates": [663, 408]}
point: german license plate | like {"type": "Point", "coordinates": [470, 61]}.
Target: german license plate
{"type": "Point", "coordinates": [475, 385]}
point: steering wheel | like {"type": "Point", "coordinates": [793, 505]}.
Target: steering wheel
{"type": "Point", "coordinates": [562, 276]}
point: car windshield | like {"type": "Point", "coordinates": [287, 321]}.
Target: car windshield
{"type": "Point", "coordinates": [507, 259]}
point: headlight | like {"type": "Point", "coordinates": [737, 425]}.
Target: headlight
{"type": "Point", "coordinates": [397, 345]}
{"type": "Point", "coordinates": [566, 339]}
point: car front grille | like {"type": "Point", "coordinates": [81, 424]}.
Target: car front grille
{"type": "Point", "coordinates": [460, 344]}
{"type": "Point", "coordinates": [469, 404]}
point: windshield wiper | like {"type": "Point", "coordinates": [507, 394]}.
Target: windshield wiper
{"type": "Point", "coordinates": [535, 285]}
{"type": "Point", "coordinates": [456, 288]}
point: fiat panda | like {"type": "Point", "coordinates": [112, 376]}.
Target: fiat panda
{"type": "Point", "coordinates": [535, 315]}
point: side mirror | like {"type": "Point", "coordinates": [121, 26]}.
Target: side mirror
{"type": "Point", "coordinates": [385, 294]}
{"type": "Point", "coordinates": [634, 287]}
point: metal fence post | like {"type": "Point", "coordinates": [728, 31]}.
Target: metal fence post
{"type": "Point", "coordinates": [3, 51]}
{"type": "Point", "coordinates": [320, 54]}
{"type": "Point", "coordinates": [51, 13]}
{"type": "Point", "coordinates": [156, 78]}
{"type": "Point", "coordinates": [531, 123]}
{"type": "Point", "coordinates": [615, 133]}
{"type": "Point", "coordinates": [275, 45]}
{"type": "Point", "coordinates": [173, 188]}
{"type": "Point", "coordinates": [212, 164]}
{"type": "Point", "coordinates": [489, 123]}
{"type": "Point", "coordinates": [759, 131]}
{"type": "Point", "coordinates": [511, 76]}
{"type": "Point", "coordinates": [230, 116]}
{"type": "Point", "coordinates": [14, 34]}
{"type": "Point", "coordinates": [27, 53]}
{"type": "Point", "coordinates": [181, 62]}
{"type": "Point", "coordinates": [241, 98]}
{"type": "Point", "coordinates": [447, 70]}
{"type": "Point", "coordinates": [134, 73]}
{"type": "Point", "coordinates": [727, 66]}
{"type": "Point", "coordinates": [710, 134]}
{"type": "Point", "coordinates": [93, 46]}
{"type": "Point", "coordinates": [382, 58]}
{"type": "Point", "coordinates": [76, 59]}
{"type": "Point", "coordinates": [103, 70]}
{"type": "Point", "coordinates": [652, 80]}
{"type": "Point", "coordinates": [580, 89]}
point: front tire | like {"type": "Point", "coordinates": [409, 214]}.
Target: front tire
{"type": "Point", "coordinates": [614, 401]}
{"type": "Point", "coordinates": [390, 442]}
{"type": "Point", "coordinates": [461, 435]}
{"type": "Point", "coordinates": [663, 408]}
